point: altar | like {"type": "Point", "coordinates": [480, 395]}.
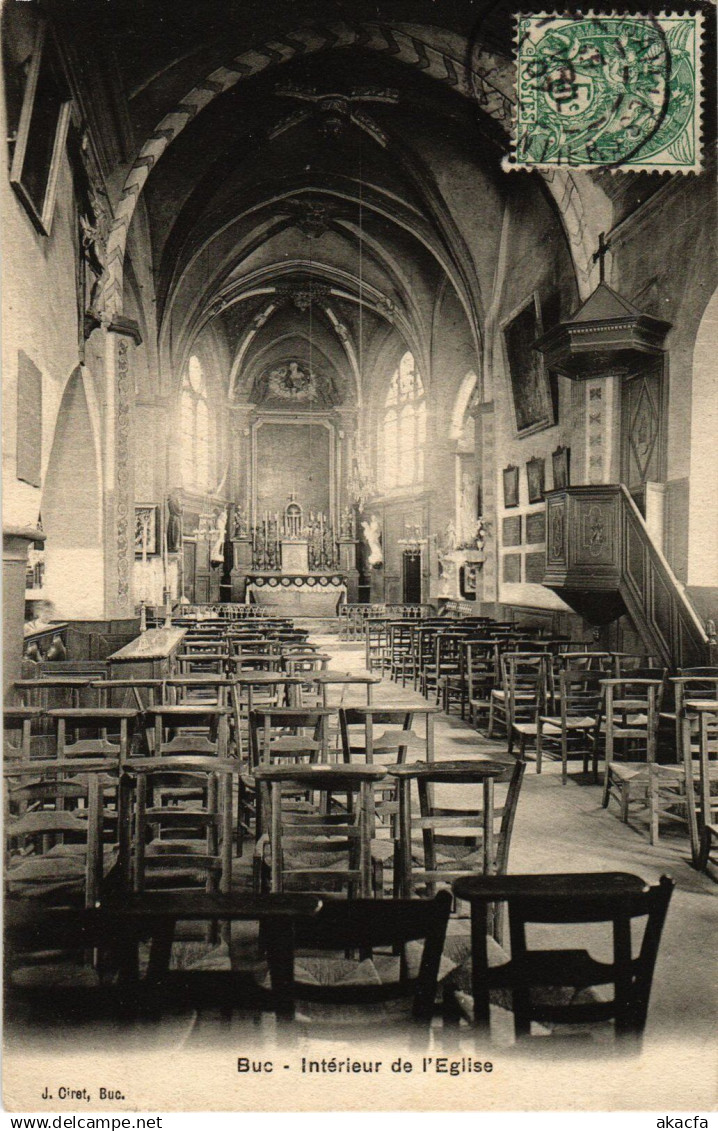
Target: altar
{"type": "Point", "coordinates": [297, 561]}
{"type": "Point", "coordinates": [301, 595]}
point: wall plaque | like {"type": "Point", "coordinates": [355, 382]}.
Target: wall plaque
{"type": "Point", "coordinates": [512, 567]}
{"type": "Point", "coordinates": [511, 530]}
{"type": "Point", "coordinates": [535, 567]}
{"type": "Point", "coordinates": [535, 528]}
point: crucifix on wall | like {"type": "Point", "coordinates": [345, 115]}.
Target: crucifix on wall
{"type": "Point", "coordinates": [599, 256]}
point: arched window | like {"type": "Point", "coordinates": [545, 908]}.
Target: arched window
{"type": "Point", "coordinates": [404, 427]}
{"type": "Point", "coordinates": [194, 428]}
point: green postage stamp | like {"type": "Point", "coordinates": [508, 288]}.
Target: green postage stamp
{"type": "Point", "coordinates": [608, 91]}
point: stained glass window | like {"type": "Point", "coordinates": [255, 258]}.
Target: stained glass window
{"type": "Point", "coordinates": [194, 428]}
{"type": "Point", "coordinates": [404, 427]}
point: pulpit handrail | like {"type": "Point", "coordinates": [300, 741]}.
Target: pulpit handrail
{"type": "Point", "coordinates": [658, 555]}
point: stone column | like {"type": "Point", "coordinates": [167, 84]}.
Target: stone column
{"type": "Point", "coordinates": [241, 441]}
{"type": "Point", "coordinates": [15, 544]}
{"type": "Point", "coordinates": [489, 584]}
{"type": "Point", "coordinates": [121, 338]}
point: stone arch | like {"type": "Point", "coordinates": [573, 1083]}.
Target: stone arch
{"type": "Point", "coordinates": [702, 527]}
{"type": "Point", "coordinates": [408, 47]}
{"type": "Point", "coordinates": [72, 505]}
{"type": "Point", "coordinates": [462, 401]}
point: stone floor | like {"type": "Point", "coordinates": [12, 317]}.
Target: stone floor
{"type": "Point", "coordinates": [565, 828]}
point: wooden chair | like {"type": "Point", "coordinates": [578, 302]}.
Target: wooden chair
{"type": "Point", "coordinates": [577, 660]}
{"type": "Point", "coordinates": [92, 727]}
{"type": "Point", "coordinates": [630, 714]}
{"type": "Point", "coordinates": [614, 899]}
{"type": "Point", "coordinates": [483, 674]}
{"type": "Point", "coordinates": [177, 822]}
{"type": "Point", "coordinates": [202, 663]}
{"type": "Point", "coordinates": [253, 662]}
{"type": "Point", "coordinates": [54, 847]}
{"type": "Point", "coordinates": [386, 733]}
{"type": "Point", "coordinates": [424, 641]}
{"type": "Point", "coordinates": [367, 925]}
{"type": "Point", "coordinates": [306, 665]}
{"type": "Point", "coordinates": [320, 846]}
{"type": "Point", "coordinates": [687, 792]}
{"type": "Point", "coordinates": [240, 646]}
{"type": "Point", "coordinates": [376, 644]}
{"type": "Point", "coordinates": [208, 690]}
{"type": "Point", "coordinates": [344, 680]}
{"type": "Point", "coordinates": [291, 733]}
{"type": "Point", "coordinates": [522, 692]}
{"type": "Point", "coordinates": [18, 722]}
{"type": "Point", "coordinates": [453, 686]}
{"type": "Point", "coordinates": [291, 647]}
{"type": "Point", "coordinates": [252, 690]}
{"type": "Point", "coordinates": [186, 728]}
{"type": "Point", "coordinates": [575, 727]}
{"type": "Point", "coordinates": [280, 735]}
{"type": "Point", "coordinates": [401, 651]}
{"type": "Point", "coordinates": [482, 832]}
{"type": "Point", "coordinates": [445, 662]}
{"type": "Point", "coordinates": [139, 692]}
{"type": "Point", "coordinates": [119, 924]}
{"type": "Point", "coordinates": [55, 691]}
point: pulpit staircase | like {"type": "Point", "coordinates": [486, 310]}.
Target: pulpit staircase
{"type": "Point", "coordinates": [602, 561]}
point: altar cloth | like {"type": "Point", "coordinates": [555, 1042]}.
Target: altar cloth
{"type": "Point", "coordinates": [312, 595]}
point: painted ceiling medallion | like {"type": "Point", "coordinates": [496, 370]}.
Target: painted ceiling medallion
{"type": "Point", "coordinates": [293, 381]}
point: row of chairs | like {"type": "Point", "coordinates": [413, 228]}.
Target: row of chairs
{"type": "Point", "coordinates": [169, 809]}
{"type": "Point", "coordinates": [631, 912]}
{"type": "Point", "coordinates": [352, 617]}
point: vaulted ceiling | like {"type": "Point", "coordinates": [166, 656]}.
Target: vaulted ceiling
{"type": "Point", "coordinates": [327, 200]}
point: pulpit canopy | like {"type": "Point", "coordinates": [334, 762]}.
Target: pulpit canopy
{"type": "Point", "coordinates": [608, 334]}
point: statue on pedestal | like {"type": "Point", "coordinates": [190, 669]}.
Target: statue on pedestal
{"type": "Point", "coordinates": [347, 526]}
{"type": "Point", "coordinates": [240, 526]}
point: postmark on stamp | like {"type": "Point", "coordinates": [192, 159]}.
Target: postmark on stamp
{"type": "Point", "coordinates": [608, 91]}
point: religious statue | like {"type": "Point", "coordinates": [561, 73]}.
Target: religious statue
{"type": "Point", "coordinates": [174, 523]}
{"type": "Point", "coordinates": [348, 524]}
{"type": "Point", "coordinates": [216, 554]}
{"type": "Point", "coordinates": [240, 526]}
{"type": "Point", "coordinates": [468, 502]}
{"type": "Point", "coordinates": [372, 532]}
{"type": "Point", "coordinates": [449, 542]}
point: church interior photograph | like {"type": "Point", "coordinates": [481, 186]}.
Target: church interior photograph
{"type": "Point", "coordinates": [360, 549]}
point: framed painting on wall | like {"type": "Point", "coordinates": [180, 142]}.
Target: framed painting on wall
{"type": "Point", "coordinates": [146, 529]}
{"type": "Point", "coordinates": [561, 460]}
{"type": "Point", "coordinates": [535, 477]}
{"type": "Point", "coordinates": [511, 486]}
{"type": "Point", "coordinates": [41, 134]}
{"type": "Point", "coordinates": [531, 394]}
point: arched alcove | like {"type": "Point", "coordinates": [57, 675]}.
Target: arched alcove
{"type": "Point", "coordinates": [72, 508]}
{"type": "Point", "coordinates": [702, 528]}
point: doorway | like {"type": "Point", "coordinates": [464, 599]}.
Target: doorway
{"type": "Point", "coordinates": [411, 577]}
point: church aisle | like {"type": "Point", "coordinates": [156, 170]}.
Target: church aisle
{"type": "Point", "coordinates": [565, 828]}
